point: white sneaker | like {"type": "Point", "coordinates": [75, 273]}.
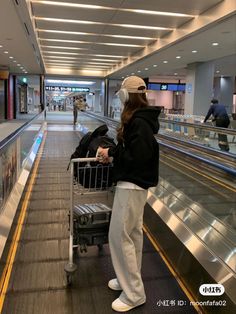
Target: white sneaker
{"type": "Point", "coordinates": [120, 306]}
{"type": "Point", "coordinates": [113, 284]}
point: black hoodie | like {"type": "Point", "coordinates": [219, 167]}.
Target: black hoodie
{"type": "Point", "coordinates": [137, 159]}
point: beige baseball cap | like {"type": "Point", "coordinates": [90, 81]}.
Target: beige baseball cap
{"type": "Point", "coordinates": [133, 83]}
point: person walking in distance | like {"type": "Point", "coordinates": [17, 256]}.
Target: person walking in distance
{"type": "Point", "coordinates": [136, 162]}
{"type": "Point", "coordinates": [75, 110]}
{"type": "Point", "coordinates": [221, 119]}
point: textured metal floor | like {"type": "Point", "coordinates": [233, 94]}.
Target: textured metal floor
{"type": "Point", "coordinates": [38, 284]}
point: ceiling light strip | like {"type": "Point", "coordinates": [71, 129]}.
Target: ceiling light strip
{"type": "Point", "coordinates": [89, 42]}
{"type": "Point", "coordinates": [75, 66]}
{"type": "Point", "coordinates": [100, 23]}
{"type": "Point", "coordinates": [81, 54]}
{"type": "Point", "coordinates": [74, 53]}
{"type": "Point", "coordinates": [63, 47]}
{"type": "Point", "coordinates": [82, 68]}
{"type": "Point", "coordinates": [94, 34]}
{"type": "Point", "coordinates": [77, 61]}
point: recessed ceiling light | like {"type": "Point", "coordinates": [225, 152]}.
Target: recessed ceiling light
{"type": "Point", "coordinates": [15, 61]}
{"type": "Point", "coordinates": [165, 61]}
{"type": "Point", "coordinates": [154, 65]}
{"type": "Point", "coordinates": [0, 46]}
{"type": "Point", "coordinates": [215, 44]}
{"type": "Point", "coordinates": [132, 73]}
{"type": "Point", "coordinates": [123, 77]}
{"type": "Point", "coordinates": [5, 51]}
{"type": "Point", "coordinates": [175, 73]}
{"type": "Point", "coordinates": [18, 64]}
{"type": "Point", "coordinates": [139, 71]}
{"type": "Point", "coordinates": [10, 57]}
{"type": "Point", "coordinates": [178, 57]}
{"type": "Point", "coordinates": [146, 69]}
{"type": "Point", "coordinates": [194, 51]}
{"type": "Point", "coordinates": [217, 71]}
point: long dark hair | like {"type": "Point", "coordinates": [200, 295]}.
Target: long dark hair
{"type": "Point", "coordinates": [136, 101]}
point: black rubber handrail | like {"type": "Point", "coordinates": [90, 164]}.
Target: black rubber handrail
{"type": "Point", "coordinates": [207, 161]}
{"type": "Point", "coordinates": [197, 145]}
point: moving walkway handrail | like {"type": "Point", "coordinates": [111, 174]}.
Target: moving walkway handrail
{"type": "Point", "coordinates": [207, 161]}
{"type": "Point", "coordinates": [196, 145]}
{"type": "Point", "coordinates": [17, 132]}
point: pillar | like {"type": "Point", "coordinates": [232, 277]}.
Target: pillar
{"type": "Point", "coordinates": [97, 101]}
{"type": "Point", "coordinates": [42, 91]}
{"type": "Point", "coordinates": [106, 97]}
{"type": "Point", "coordinates": [199, 88]}
{"type": "Point", "coordinates": [226, 92]}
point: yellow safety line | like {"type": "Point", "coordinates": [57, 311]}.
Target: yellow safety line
{"type": "Point", "coordinates": [5, 278]}
{"type": "Point", "coordinates": [172, 270]}
{"type": "Point", "coordinates": [199, 172]}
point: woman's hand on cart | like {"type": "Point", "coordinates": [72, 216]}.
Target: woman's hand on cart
{"type": "Point", "coordinates": [102, 155]}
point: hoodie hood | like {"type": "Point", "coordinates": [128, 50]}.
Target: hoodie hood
{"type": "Point", "coordinates": [149, 114]}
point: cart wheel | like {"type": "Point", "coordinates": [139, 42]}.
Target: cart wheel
{"type": "Point", "coordinates": [83, 248]}
{"type": "Point", "coordinates": [100, 247]}
{"type": "Point", "coordinates": [68, 280]}
{"type": "Point", "coordinates": [70, 269]}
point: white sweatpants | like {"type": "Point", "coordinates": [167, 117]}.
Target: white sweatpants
{"type": "Point", "coordinates": [126, 243]}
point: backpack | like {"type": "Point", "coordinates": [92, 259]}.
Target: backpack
{"type": "Point", "coordinates": [97, 174]}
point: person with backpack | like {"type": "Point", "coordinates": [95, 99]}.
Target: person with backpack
{"type": "Point", "coordinates": [136, 162]}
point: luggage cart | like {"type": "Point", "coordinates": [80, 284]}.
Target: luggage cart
{"type": "Point", "coordinates": [94, 183]}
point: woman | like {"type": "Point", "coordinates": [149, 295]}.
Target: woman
{"type": "Point", "coordinates": [135, 159]}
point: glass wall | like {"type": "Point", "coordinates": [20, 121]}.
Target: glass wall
{"type": "Point", "coordinates": [13, 156]}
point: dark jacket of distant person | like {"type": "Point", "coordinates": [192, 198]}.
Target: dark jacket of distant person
{"type": "Point", "coordinates": [218, 112]}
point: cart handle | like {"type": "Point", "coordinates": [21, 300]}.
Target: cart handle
{"type": "Point", "coordinates": [87, 159]}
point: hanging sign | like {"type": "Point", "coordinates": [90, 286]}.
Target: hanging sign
{"type": "Point", "coordinates": [67, 89]}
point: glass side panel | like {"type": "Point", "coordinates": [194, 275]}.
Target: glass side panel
{"type": "Point", "coordinates": [217, 138]}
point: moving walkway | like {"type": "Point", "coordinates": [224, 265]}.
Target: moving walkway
{"type": "Point", "coordinates": [36, 279]}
